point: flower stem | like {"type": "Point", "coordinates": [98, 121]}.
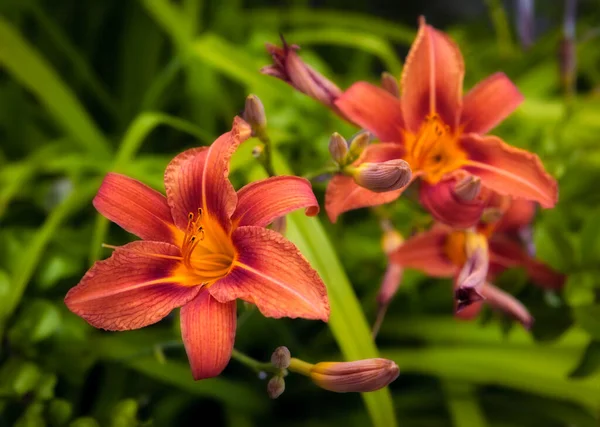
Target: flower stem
{"type": "Point", "coordinates": [324, 170]}
{"type": "Point", "coordinates": [253, 363]}
{"type": "Point", "coordinates": [501, 26]}
{"type": "Point", "coordinates": [300, 367]}
{"type": "Point", "coordinates": [267, 155]}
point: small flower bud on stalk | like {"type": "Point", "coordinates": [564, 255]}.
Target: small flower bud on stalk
{"type": "Point", "coordinates": [468, 188]}
{"type": "Point", "coordinates": [381, 177]}
{"type": "Point", "coordinates": [275, 387]}
{"type": "Point", "coordinates": [390, 84]}
{"type": "Point", "coordinates": [358, 376]}
{"type": "Point", "coordinates": [281, 357]}
{"type": "Point", "coordinates": [254, 114]}
{"type": "Point", "coordinates": [338, 148]}
{"type": "Point", "coordinates": [358, 145]}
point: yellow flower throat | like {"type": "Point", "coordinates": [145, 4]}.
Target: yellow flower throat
{"type": "Point", "coordinates": [433, 150]}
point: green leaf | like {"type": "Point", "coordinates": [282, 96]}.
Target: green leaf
{"type": "Point", "coordinates": [589, 362]}
{"type": "Point", "coordinates": [588, 317]}
{"type": "Point", "coordinates": [37, 321]}
{"type": "Point", "coordinates": [26, 65]}
{"type": "Point", "coordinates": [589, 243]}
{"type": "Point", "coordinates": [463, 404]}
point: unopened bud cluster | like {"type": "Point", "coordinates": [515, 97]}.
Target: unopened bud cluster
{"type": "Point", "coordinates": [344, 153]}
{"type": "Point", "coordinates": [280, 359]}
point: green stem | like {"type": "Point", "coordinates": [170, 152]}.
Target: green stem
{"type": "Point", "coordinates": [501, 26]}
{"type": "Point", "coordinates": [300, 367]}
{"type": "Point", "coordinates": [267, 155]}
{"type": "Point", "coordinates": [326, 169]}
{"type": "Point", "coordinates": [253, 363]}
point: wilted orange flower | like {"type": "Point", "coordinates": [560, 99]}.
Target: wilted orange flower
{"type": "Point", "coordinates": [205, 245]}
{"type": "Point", "coordinates": [432, 126]}
{"type": "Point", "coordinates": [444, 252]}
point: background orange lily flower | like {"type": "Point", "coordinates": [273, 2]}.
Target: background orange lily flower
{"type": "Point", "coordinates": [205, 245]}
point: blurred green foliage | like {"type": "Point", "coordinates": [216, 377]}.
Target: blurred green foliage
{"type": "Point", "coordinates": [89, 87]}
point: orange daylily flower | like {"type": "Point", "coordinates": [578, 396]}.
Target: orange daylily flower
{"type": "Point", "coordinates": [434, 128]}
{"type": "Point", "coordinates": [204, 245]}
{"type": "Point", "coordinates": [444, 252]}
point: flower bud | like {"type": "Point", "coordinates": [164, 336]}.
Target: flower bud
{"type": "Point", "coordinates": [358, 376]}
{"type": "Point", "coordinates": [288, 67]}
{"type": "Point", "coordinates": [275, 387]}
{"type": "Point", "coordinates": [281, 357]}
{"type": "Point", "coordinates": [381, 177]}
{"type": "Point", "coordinates": [338, 147]}
{"type": "Point", "coordinates": [504, 301]}
{"type": "Point", "coordinates": [254, 114]}
{"type": "Point", "coordinates": [468, 188]}
{"type": "Point", "coordinates": [359, 143]}
{"type": "Point", "coordinates": [390, 84]}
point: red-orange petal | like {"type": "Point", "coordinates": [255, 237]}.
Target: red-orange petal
{"type": "Point", "coordinates": [509, 170]}
{"type": "Point", "coordinates": [446, 207]}
{"type": "Point", "coordinates": [519, 214]}
{"type": "Point", "coordinates": [432, 79]}
{"type": "Point", "coordinates": [507, 253]}
{"type": "Point", "coordinates": [488, 103]}
{"type": "Point", "coordinates": [135, 287]}
{"type": "Point", "coordinates": [198, 178]}
{"type": "Point", "coordinates": [260, 202]}
{"type": "Point", "coordinates": [343, 194]}
{"type": "Point", "coordinates": [270, 272]}
{"type": "Point", "coordinates": [208, 332]}
{"type": "Point", "coordinates": [374, 109]}
{"type": "Point", "coordinates": [426, 252]}
{"type": "Point", "coordinates": [135, 207]}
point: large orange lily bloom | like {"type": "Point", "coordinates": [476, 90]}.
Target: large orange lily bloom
{"type": "Point", "coordinates": [440, 252]}
{"type": "Point", "coordinates": [204, 246]}
{"type": "Point", "coordinates": [431, 126]}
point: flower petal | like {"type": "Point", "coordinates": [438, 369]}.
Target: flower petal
{"type": "Point", "coordinates": [471, 278]}
{"type": "Point", "coordinates": [374, 109]}
{"type": "Point", "coordinates": [426, 252]}
{"type": "Point", "coordinates": [509, 170]}
{"type": "Point", "coordinates": [504, 301]}
{"type": "Point", "coordinates": [260, 202]}
{"type": "Point", "coordinates": [135, 207]}
{"type": "Point", "coordinates": [445, 206]}
{"type": "Point", "coordinates": [343, 194]}
{"type": "Point", "coordinates": [135, 287]}
{"type": "Point", "coordinates": [197, 178]}
{"type": "Point", "coordinates": [270, 272]}
{"type": "Point", "coordinates": [507, 253]}
{"type": "Point", "coordinates": [432, 79]}
{"type": "Point", "coordinates": [208, 332]}
{"type": "Point", "coordinates": [519, 214]}
{"type": "Point", "coordinates": [488, 103]}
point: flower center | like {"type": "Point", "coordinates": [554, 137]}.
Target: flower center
{"type": "Point", "coordinates": [207, 252]}
{"type": "Point", "coordinates": [455, 248]}
{"type": "Point", "coordinates": [434, 150]}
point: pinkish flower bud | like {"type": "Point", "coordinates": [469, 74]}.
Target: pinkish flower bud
{"type": "Point", "coordinates": [281, 357]}
{"type": "Point", "coordinates": [390, 84]}
{"type": "Point", "coordinates": [275, 387]}
{"type": "Point", "coordinates": [358, 144]}
{"type": "Point", "coordinates": [254, 114]}
{"type": "Point", "coordinates": [381, 177]}
{"type": "Point", "coordinates": [338, 148]}
{"type": "Point", "coordinates": [473, 275]}
{"type": "Point", "coordinates": [288, 67]}
{"type": "Point", "coordinates": [468, 188]}
{"type": "Point", "coordinates": [358, 376]}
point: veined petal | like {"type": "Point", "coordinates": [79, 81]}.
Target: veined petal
{"type": "Point", "coordinates": [506, 253]}
{"type": "Point", "coordinates": [270, 272]}
{"type": "Point", "coordinates": [374, 109]}
{"type": "Point", "coordinates": [471, 278]}
{"type": "Point", "coordinates": [135, 207]}
{"type": "Point", "coordinates": [509, 170]}
{"type": "Point", "coordinates": [137, 286]}
{"type": "Point", "coordinates": [488, 103]}
{"type": "Point", "coordinates": [198, 178]}
{"type": "Point", "coordinates": [208, 332]}
{"type": "Point", "coordinates": [445, 206]}
{"type": "Point", "coordinates": [343, 194]}
{"type": "Point", "coordinates": [426, 252]}
{"type": "Point", "coordinates": [432, 79]}
{"type": "Point", "coordinates": [260, 202]}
